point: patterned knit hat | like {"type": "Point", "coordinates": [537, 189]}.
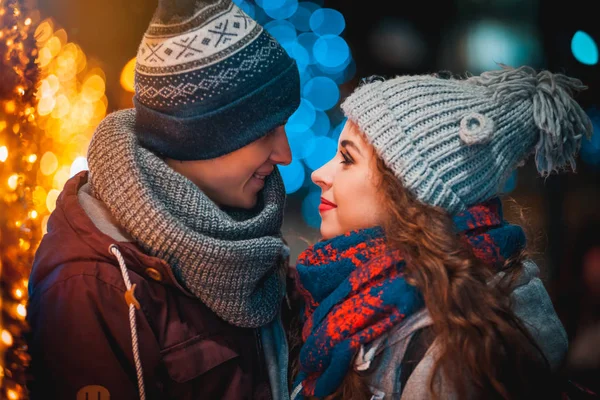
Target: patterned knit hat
{"type": "Point", "coordinates": [209, 80]}
{"type": "Point", "coordinates": [454, 143]}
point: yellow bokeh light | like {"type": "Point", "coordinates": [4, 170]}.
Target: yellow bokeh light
{"type": "Point", "coordinates": [78, 165]}
{"type": "Point", "coordinates": [44, 89]}
{"type": "Point", "coordinates": [62, 107]}
{"type": "Point", "coordinates": [56, 126]}
{"type": "Point", "coordinates": [93, 89]}
{"type": "Point", "coordinates": [3, 153]}
{"type": "Point", "coordinates": [80, 58]}
{"type": "Point", "coordinates": [44, 31]}
{"type": "Point", "coordinates": [54, 46]}
{"type": "Point", "coordinates": [53, 83]}
{"type": "Point", "coordinates": [46, 105]}
{"type": "Point", "coordinates": [38, 197]}
{"type": "Point", "coordinates": [51, 199]}
{"type": "Point", "coordinates": [66, 69]}
{"type": "Point", "coordinates": [61, 34]}
{"type": "Point", "coordinates": [61, 177]}
{"type": "Point", "coordinates": [44, 57]}
{"type": "Point", "coordinates": [127, 76]}
{"type": "Point", "coordinates": [21, 310]}
{"type": "Point", "coordinates": [10, 107]}
{"type": "Point", "coordinates": [13, 181]}
{"type": "Point", "coordinates": [24, 245]}
{"type": "Point", "coordinates": [6, 337]}
{"type": "Point", "coordinates": [48, 163]}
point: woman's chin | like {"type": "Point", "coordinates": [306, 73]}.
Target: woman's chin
{"type": "Point", "coordinates": [328, 232]}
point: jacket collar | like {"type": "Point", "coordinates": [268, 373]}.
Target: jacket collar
{"type": "Point", "coordinates": [68, 205]}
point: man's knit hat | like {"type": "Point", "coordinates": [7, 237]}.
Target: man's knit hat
{"type": "Point", "coordinates": [209, 80]}
{"type": "Point", "coordinates": [454, 143]}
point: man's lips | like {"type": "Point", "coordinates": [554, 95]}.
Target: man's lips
{"type": "Point", "coordinates": [326, 205]}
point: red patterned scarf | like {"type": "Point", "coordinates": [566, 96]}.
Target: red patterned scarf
{"type": "Point", "coordinates": [354, 291]}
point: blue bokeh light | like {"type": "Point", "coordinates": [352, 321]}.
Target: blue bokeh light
{"type": "Point", "coordinates": [327, 148]}
{"type": "Point", "coordinates": [302, 119]}
{"type": "Point", "coordinates": [332, 72]}
{"type": "Point", "coordinates": [311, 36]}
{"type": "Point", "coordinates": [272, 3]}
{"type": "Point", "coordinates": [322, 124]}
{"type": "Point", "coordinates": [261, 16]}
{"type": "Point", "coordinates": [299, 53]}
{"type": "Point", "coordinates": [584, 48]}
{"type": "Point", "coordinates": [305, 76]}
{"type": "Point", "coordinates": [301, 18]}
{"type": "Point", "coordinates": [293, 176]}
{"type": "Point", "coordinates": [283, 31]}
{"type": "Point", "coordinates": [310, 208]}
{"type": "Point", "coordinates": [286, 10]}
{"type": "Point", "coordinates": [491, 42]}
{"type": "Point", "coordinates": [247, 8]}
{"type": "Point", "coordinates": [340, 75]}
{"type": "Point", "coordinates": [337, 130]}
{"type": "Point", "coordinates": [322, 92]}
{"type": "Point", "coordinates": [331, 51]}
{"type": "Point", "coordinates": [327, 21]}
{"type": "Point", "coordinates": [307, 40]}
{"type": "Point", "coordinates": [302, 144]}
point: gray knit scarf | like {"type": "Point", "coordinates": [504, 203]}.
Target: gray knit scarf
{"type": "Point", "coordinates": [229, 259]}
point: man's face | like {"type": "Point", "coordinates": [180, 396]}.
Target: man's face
{"type": "Point", "coordinates": [234, 180]}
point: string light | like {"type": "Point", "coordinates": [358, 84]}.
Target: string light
{"type": "Point", "coordinates": [6, 337]}
{"type": "Point", "coordinates": [47, 118]}
{"type": "Point", "coordinates": [21, 310]}
{"type": "Point", "coordinates": [11, 394]}
{"type": "Point", "coordinates": [3, 153]}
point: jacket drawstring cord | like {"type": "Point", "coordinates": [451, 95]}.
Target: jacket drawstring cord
{"type": "Point", "coordinates": [133, 305]}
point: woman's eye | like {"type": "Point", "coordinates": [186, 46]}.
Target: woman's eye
{"type": "Point", "coordinates": [347, 158]}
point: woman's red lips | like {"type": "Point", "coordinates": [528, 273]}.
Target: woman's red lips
{"type": "Point", "coordinates": [326, 205]}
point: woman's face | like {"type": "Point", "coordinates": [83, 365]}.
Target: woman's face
{"type": "Point", "coordinates": [349, 186]}
{"type": "Point", "coordinates": [235, 179]}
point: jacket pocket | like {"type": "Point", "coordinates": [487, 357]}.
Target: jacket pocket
{"type": "Point", "coordinates": [196, 356]}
